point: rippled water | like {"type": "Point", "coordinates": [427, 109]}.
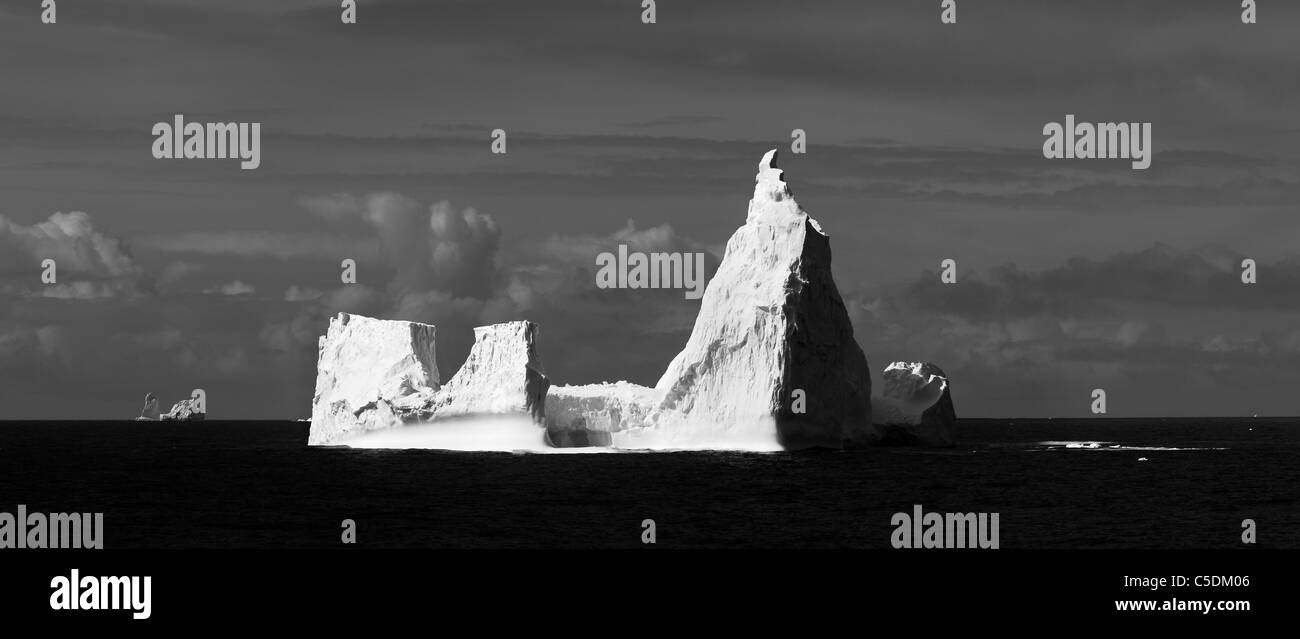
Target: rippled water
{"type": "Point", "coordinates": [1054, 483]}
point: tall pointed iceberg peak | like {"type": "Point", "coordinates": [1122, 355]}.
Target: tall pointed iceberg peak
{"type": "Point", "coordinates": [773, 346]}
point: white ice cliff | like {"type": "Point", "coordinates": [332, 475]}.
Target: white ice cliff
{"type": "Point", "coordinates": [502, 375]}
{"type": "Point", "coordinates": [376, 374]}
{"type": "Point", "coordinates": [915, 407]}
{"type": "Point", "coordinates": [363, 365]}
{"type": "Point", "coordinates": [771, 322]}
{"type": "Point", "coordinates": [770, 363]}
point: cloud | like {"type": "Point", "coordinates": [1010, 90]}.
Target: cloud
{"type": "Point", "coordinates": [176, 272]}
{"type": "Point", "coordinates": [1209, 277]}
{"type": "Point", "coordinates": [89, 289]}
{"type": "Point", "coordinates": [236, 287]}
{"type": "Point", "coordinates": [99, 364]}
{"type": "Point", "coordinates": [445, 267]}
{"type": "Point", "coordinates": [582, 249]}
{"type": "Point", "coordinates": [431, 249]}
{"type": "Point", "coordinates": [270, 244]}
{"type": "Point", "coordinates": [296, 293]}
{"type": "Point", "coordinates": [1173, 331]}
{"type": "Point", "coordinates": [434, 264]}
{"type": "Point", "coordinates": [87, 263]}
{"type": "Point", "coordinates": [71, 240]}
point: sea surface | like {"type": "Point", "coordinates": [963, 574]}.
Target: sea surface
{"type": "Point", "coordinates": [1113, 483]}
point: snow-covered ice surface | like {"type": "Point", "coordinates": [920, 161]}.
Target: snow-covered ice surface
{"type": "Point", "coordinates": [771, 363]}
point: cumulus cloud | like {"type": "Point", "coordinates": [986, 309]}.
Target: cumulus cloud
{"type": "Point", "coordinates": [440, 263]}
{"type": "Point", "coordinates": [434, 248]}
{"type": "Point", "coordinates": [71, 240]}
{"type": "Point", "coordinates": [88, 263]}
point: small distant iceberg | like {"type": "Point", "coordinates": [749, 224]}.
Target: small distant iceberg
{"type": "Point", "coordinates": [150, 411]}
{"type": "Point", "coordinates": [187, 410]}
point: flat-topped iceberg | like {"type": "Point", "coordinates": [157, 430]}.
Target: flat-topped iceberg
{"type": "Point", "coordinates": [375, 374]}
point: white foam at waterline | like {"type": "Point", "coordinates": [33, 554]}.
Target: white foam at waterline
{"type": "Point", "coordinates": [1099, 445]}
{"type": "Point", "coordinates": [499, 433]}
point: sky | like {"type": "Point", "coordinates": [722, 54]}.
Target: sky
{"type": "Point", "coordinates": [924, 144]}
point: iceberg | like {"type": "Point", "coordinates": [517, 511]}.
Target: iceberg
{"type": "Point", "coordinates": [375, 374]}
{"type": "Point", "coordinates": [363, 366]}
{"type": "Point", "coordinates": [772, 323]}
{"type": "Point", "coordinates": [596, 414]}
{"type": "Point", "coordinates": [771, 363]}
{"type": "Point", "coordinates": [502, 375]}
{"type": "Point", "coordinates": [915, 407]}
{"type": "Point", "coordinates": [150, 411]}
{"type": "Point", "coordinates": [186, 410]}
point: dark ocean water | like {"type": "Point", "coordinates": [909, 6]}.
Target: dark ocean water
{"type": "Point", "coordinates": [257, 485]}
